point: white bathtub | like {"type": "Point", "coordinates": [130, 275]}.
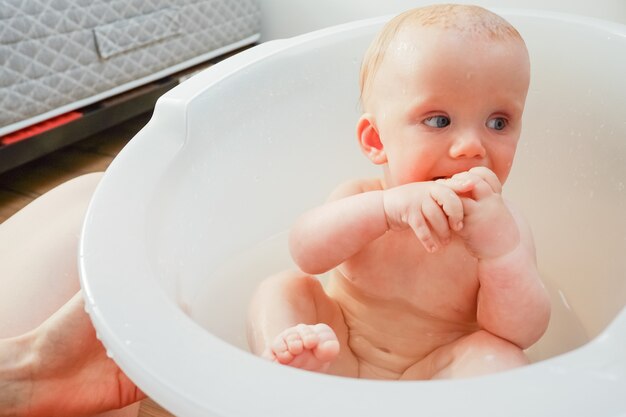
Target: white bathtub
{"type": "Point", "coordinates": [193, 213]}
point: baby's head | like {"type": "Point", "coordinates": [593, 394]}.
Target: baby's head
{"type": "Point", "coordinates": [443, 90]}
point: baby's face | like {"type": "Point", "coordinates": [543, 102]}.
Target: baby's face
{"type": "Point", "coordinates": [443, 104]}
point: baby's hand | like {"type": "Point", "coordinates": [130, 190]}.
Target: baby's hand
{"type": "Point", "coordinates": [433, 210]}
{"type": "Point", "coordinates": [489, 227]}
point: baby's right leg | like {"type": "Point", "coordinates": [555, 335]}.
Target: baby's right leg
{"type": "Point", "coordinates": [292, 321]}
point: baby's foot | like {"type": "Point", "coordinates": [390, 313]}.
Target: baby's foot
{"type": "Point", "coordinates": [310, 347]}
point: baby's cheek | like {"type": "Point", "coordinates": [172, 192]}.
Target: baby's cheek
{"type": "Point", "coordinates": [411, 172]}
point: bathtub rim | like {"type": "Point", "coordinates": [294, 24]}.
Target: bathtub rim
{"type": "Point", "coordinates": [116, 330]}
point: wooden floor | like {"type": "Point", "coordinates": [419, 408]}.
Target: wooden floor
{"type": "Point", "coordinates": [22, 185]}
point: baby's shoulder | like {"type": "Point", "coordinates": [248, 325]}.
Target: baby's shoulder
{"type": "Point", "coordinates": [355, 186]}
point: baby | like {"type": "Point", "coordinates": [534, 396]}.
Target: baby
{"type": "Point", "coordinates": [433, 274]}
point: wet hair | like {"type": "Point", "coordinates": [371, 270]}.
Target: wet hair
{"type": "Point", "coordinates": [466, 19]}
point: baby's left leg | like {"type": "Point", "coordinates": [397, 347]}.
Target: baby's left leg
{"type": "Point", "coordinates": [293, 322]}
{"type": "Point", "coordinates": [479, 353]}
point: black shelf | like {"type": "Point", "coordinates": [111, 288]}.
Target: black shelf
{"type": "Point", "coordinates": [95, 118]}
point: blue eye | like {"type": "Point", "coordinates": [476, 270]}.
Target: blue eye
{"type": "Point", "coordinates": [437, 121]}
{"type": "Point", "coordinates": [497, 123]}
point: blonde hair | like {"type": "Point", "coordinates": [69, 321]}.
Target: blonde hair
{"type": "Point", "coordinates": [470, 20]}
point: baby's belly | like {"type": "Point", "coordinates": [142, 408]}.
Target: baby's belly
{"type": "Point", "coordinates": [389, 336]}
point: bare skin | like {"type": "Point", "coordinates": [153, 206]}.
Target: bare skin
{"type": "Point", "coordinates": [433, 273]}
{"type": "Point", "coordinates": [51, 363]}
{"type": "Point", "coordinates": [61, 369]}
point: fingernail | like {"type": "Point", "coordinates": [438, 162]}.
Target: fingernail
{"type": "Point", "coordinates": [459, 225]}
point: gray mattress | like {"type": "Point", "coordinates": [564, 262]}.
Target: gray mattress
{"type": "Point", "coordinates": [59, 55]}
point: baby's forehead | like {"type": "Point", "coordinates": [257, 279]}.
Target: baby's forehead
{"type": "Point", "coordinates": [413, 36]}
{"type": "Point", "coordinates": [463, 19]}
{"type": "Point", "coordinates": [419, 45]}
{"type": "Point", "coordinates": [408, 35]}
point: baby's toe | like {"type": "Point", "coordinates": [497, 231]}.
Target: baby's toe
{"type": "Point", "coordinates": [328, 346]}
{"type": "Point", "coordinates": [295, 346]}
{"type": "Point", "coordinates": [309, 338]}
{"type": "Point", "coordinates": [327, 351]}
{"type": "Point", "coordinates": [281, 352]}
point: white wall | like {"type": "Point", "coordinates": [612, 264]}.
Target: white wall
{"type": "Point", "coordinates": [285, 18]}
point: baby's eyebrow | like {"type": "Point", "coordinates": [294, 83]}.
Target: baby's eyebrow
{"type": "Point", "coordinates": [423, 105]}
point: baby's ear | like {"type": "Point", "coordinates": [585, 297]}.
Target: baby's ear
{"type": "Point", "coordinates": [369, 140]}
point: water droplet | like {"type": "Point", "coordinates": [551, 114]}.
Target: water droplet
{"type": "Point", "coordinates": [564, 300]}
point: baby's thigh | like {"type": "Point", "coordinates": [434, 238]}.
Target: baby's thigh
{"type": "Point", "coordinates": [479, 353]}
{"type": "Point", "coordinates": [290, 298]}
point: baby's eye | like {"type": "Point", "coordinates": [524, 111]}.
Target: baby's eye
{"type": "Point", "coordinates": [497, 123]}
{"type": "Point", "coordinates": [437, 121]}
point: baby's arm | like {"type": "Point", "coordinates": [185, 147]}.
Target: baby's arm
{"type": "Point", "coordinates": [512, 301]}
{"type": "Point", "coordinates": [325, 236]}
{"type": "Point", "coordinates": [359, 213]}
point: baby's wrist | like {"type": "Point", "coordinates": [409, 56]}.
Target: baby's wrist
{"type": "Point", "coordinates": [394, 211]}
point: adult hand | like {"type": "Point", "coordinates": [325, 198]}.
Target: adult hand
{"type": "Point", "coordinates": [61, 369]}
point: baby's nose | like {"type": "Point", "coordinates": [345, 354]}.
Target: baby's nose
{"type": "Point", "coordinates": [467, 146]}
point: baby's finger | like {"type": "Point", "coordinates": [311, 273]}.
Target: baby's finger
{"type": "Point", "coordinates": [481, 188]}
{"type": "Point", "coordinates": [422, 232]}
{"type": "Point", "coordinates": [489, 177]}
{"type": "Point", "coordinates": [451, 205]}
{"type": "Point", "coordinates": [438, 221]}
{"type": "Point", "coordinates": [458, 184]}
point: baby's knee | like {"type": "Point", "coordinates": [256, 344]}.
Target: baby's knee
{"type": "Point", "coordinates": [291, 281]}
{"type": "Point", "coordinates": [487, 348]}
{"type": "Point", "coordinates": [481, 353]}
{"type": "Point", "coordinates": [289, 285]}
